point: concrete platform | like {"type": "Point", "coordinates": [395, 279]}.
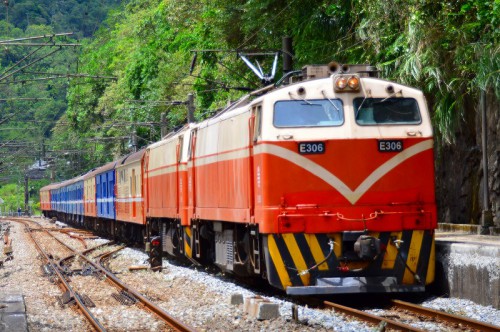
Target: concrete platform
{"type": "Point", "coordinates": [468, 267]}
{"type": "Point", "coordinates": [12, 313]}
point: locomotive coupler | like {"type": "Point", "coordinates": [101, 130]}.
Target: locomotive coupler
{"type": "Point", "coordinates": [367, 247]}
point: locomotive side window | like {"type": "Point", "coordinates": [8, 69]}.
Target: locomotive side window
{"type": "Point", "coordinates": [308, 113]}
{"type": "Point", "coordinates": [190, 146]}
{"type": "Point", "coordinates": [257, 124]}
{"type": "Point", "coordinates": [181, 146]}
{"type": "Point", "coordinates": [390, 111]}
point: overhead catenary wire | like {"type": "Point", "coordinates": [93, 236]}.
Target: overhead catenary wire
{"type": "Point", "coordinates": [19, 62]}
{"type": "Point", "coordinates": [264, 26]}
{"type": "Point", "coordinates": [71, 75]}
{"type": "Point", "coordinates": [43, 44]}
{"type": "Point", "coordinates": [24, 80]}
{"type": "Point", "coordinates": [29, 64]}
{"type": "Point", "coordinates": [24, 99]}
{"type": "Point", "coordinates": [240, 47]}
{"type": "Point", "coordinates": [36, 37]}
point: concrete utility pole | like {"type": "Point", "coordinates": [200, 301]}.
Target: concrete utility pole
{"type": "Point", "coordinates": [287, 48]}
{"type": "Point", "coordinates": [190, 107]}
{"type": "Point", "coordinates": [134, 140]}
{"type": "Point", "coordinates": [486, 216]}
{"type": "Point", "coordinates": [26, 193]}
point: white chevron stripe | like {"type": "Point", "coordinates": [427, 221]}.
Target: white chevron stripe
{"type": "Point", "coordinates": [335, 182]}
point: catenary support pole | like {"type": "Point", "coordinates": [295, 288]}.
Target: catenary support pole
{"type": "Point", "coordinates": [190, 107]}
{"type": "Point", "coordinates": [486, 216]}
{"type": "Point", "coordinates": [163, 124]}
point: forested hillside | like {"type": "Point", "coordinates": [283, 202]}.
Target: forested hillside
{"type": "Point", "coordinates": [40, 50]}
{"type": "Point", "coordinates": [449, 49]}
{"type": "Point", "coordinates": [80, 16]}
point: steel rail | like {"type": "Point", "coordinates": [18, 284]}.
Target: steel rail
{"type": "Point", "coordinates": [86, 312]}
{"type": "Point", "coordinates": [165, 316]}
{"type": "Point", "coordinates": [84, 252]}
{"type": "Point", "coordinates": [374, 319]}
{"type": "Point", "coordinates": [77, 237]}
{"type": "Point", "coordinates": [444, 316]}
{"type": "Point", "coordinates": [170, 320]}
{"type": "Point", "coordinates": [107, 255]}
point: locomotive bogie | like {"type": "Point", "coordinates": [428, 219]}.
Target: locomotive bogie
{"type": "Point", "coordinates": [232, 247]}
{"type": "Point", "coordinates": [175, 239]}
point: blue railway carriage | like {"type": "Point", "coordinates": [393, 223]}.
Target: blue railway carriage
{"type": "Point", "coordinates": [105, 196]}
{"type": "Point", "coordinates": [66, 201]}
{"type": "Point", "coordinates": [59, 199]}
{"type": "Point", "coordinates": [75, 210]}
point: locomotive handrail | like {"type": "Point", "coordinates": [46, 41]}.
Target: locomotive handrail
{"type": "Point", "coordinates": [373, 215]}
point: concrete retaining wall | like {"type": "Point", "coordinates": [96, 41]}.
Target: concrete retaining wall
{"type": "Point", "coordinates": [469, 271]}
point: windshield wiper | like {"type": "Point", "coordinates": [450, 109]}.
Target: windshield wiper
{"type": "Point", "coordinates": [390, 96]}
{"type": "Point", "coordinates": [331, 101]}
{"type": "Point", "coordinates": [305, 101]}
{"type": "Point", "coordinates": [367, 94]}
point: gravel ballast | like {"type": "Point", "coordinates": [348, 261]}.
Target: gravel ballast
{"type": "Point", "coordinates": [194, 296]}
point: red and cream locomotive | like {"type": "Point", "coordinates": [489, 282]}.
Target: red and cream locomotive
{"type": "Point", "coordinates": [321, 186]}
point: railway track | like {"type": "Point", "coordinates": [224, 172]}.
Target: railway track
{"type": "Point", "coordinates": [419, 313]}
{"type": "Point", "coordinates": [457, 321]}
{"type": "Point", "coordinates": [77, 289]}
{"type": "Point", "coordinates": [397, 318]}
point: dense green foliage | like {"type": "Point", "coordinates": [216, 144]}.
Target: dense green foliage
{"type": "Point", "coordinates": [81, 16]}
{"type": "Point", "coordinates": [448, 49]}
{"type": "Point", "coordinates": [12, 195]}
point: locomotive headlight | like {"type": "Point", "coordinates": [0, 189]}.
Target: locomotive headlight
{"type": "Point", "coordinates": [347, 83]}
{"type": "Point", "coordinates": [341, 83]}
{"type": "Point", "coordinates": [353, 82]}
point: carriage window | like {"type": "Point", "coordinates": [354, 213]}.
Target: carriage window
{"type": "Point", "coordinates": [390, 111]}
{"type": "Point", "coordinates": [308, 113]}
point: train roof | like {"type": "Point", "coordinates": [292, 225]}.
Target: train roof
{"type": "Point", "coordinates": [131, 158]}
{"type": "Point", "coordinates": [62, 184]}
{"type": "Point", "coordinates": [89, 174]}
{"type": "Point", "coordinates": [49, 186]}
{"type": "Point", "coordinates": [105, 168]}
{"type": "Point", "coordinates": [167, 137]}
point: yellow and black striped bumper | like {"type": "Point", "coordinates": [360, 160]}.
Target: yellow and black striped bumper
{"type": "Point", "coordinates": [302, 264]}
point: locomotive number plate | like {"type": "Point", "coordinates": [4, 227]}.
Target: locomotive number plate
{"type": "Point", "coordinates": [311, 147]}
{"type": "Point", "coordinates": [390, 145]}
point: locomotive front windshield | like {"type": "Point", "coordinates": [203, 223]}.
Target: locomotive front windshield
{"type": "Point", "coordinates": [390, 111]}
{"type": "Point", "coordinates": [308, 113]}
